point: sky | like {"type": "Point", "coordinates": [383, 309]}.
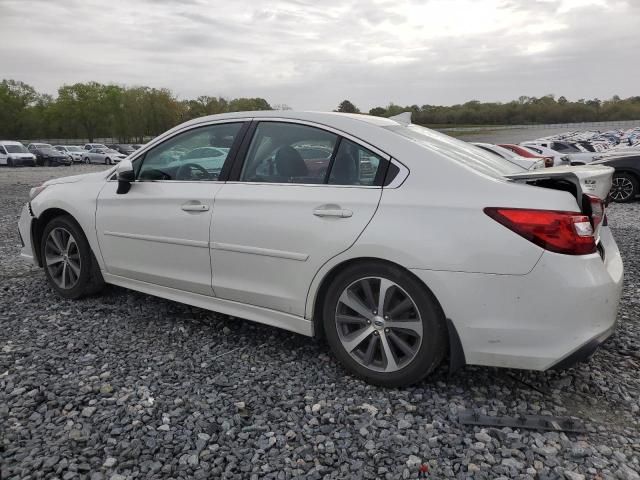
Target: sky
{"type": "Point", "coordinates": [312, 54]}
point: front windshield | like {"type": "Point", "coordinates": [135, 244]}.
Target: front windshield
{"type": "Point", "coordinates": [16, 149]}
{"type": "Point", "coordinates": [74, 149]}
{"type": "Point", "coordinates": [462, 152]}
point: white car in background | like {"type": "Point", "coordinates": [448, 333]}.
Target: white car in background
{"type": "Point", "coordinates": [397, 268]}
{"type": "Point", "coordinates": [91, 146]}
{"type": "Point", "coordinates": [73, 151]}
{"type": "Point", "coordinates": [102, 155]}
{"type": "Point", "coordinates": [559, 159]}
{"type": "Point", "coordinates": [13, 154]}
{"type": "Point", "coordinates": [508, 155]}
{"type": "Point", "coordinates": [576, 156]}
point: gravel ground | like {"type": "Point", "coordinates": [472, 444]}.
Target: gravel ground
{"type": "Point", "coordinates": [125, 385]}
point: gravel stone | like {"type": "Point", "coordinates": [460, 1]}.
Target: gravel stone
{"type": "Point", "coordinates": [123, 385]}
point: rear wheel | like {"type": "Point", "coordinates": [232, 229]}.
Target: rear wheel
{"type": "Point", "coordinates": [624, 187]}
{"type": "Point", "coordinates": [384, 325]}
{"type": "Point", "coordinates": [69, 263]}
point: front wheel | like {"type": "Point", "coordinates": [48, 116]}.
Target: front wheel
{"type": "Point", "coordinates": [624, 187]}
{"type": "Point", "coordinates": [86, 160]}
{"type": "Point", "coordinates": [69, 264]}
{"type": "Point", "coordinates": [384, 325]}
{"type": "Point", "coordinates": [107, 161]}
{"type": "Point", "coordinates": [10, 162]}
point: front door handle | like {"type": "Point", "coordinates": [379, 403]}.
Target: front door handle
{"type": "Point", "coordinates": [332, 212]}
{"type": "Point", "coordinates": [195, 207]}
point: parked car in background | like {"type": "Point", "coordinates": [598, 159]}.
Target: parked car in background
{"type": "Point", "coordinates": [102, 155]}
{"type": "Point", "coordinates": [89, 146]}
{"type": "Point", "coordinates": [73, 151]}
{"type": "Point", "coordinates": [123, 148]}
{"type": "Point", "coordinates": [428, 258]}
{"type": "Point", "coordinates": [47, 156]}
{"type": "Point", "coordinates": [523, 162]}
{"type": "Point", "coordinates": [625, 186]}
{"type": "Point", "coordinates": [13, 154]}
{"type": "Point", "coordinates": [549, 160]}
{"type": "Point", "coordinates": [576, 156]}
{"type": "Point", "coordinates": [559, 159]}
{"type": "Point", "coordinates": [137, 146]}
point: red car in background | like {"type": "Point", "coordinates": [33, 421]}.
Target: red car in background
{"type": "Point", "coordinates": [523, 152]}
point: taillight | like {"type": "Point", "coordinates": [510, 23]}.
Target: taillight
{"type": "Point", "coordinates": [570, 233]}
{"type": "Point", "coordinates": [548, 162]}
{"type": "Point", "coordinates": [594, 207]}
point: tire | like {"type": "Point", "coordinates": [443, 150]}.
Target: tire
{"type": "Point", "coordinates": [10, 162]}
{"type": "Point", "coordinates": [625, 187]}
{"type": "Point", "coordinates": [47, 163]}
{"type": "Point", "coordinates": [74, 262]}
{"type": "Point", "coordinates": [416, 351]}
{"type": "Point", "coordinates": [107, 161]}
{"type": "Point", "coordinates": [86, 160]}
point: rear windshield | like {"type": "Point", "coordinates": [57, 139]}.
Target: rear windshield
{"type": "Point", "coordinates": [16, 149]}
{"type": "Point", "coordinates": [462, 152]}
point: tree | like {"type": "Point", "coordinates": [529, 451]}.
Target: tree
{"type": "Point", "coordinates": [347, 107]}
{"type": "Point", "coordinates": [378, 111]}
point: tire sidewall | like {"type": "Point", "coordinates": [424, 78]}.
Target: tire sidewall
{"type": "Point", "coordinates": [433, 344]}
{"type": "Point", "coordinates": [86, 257]}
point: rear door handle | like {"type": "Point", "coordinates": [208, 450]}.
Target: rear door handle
{"type": "Point", "coordinates": [195, 207]}
{"type": "Point", "coordinates": [332, 212]}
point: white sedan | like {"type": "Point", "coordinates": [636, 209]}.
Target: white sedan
{"type": "Point", "coordinates": [394, 267]}
{"type": "Point", "coordinates": [102, 155]}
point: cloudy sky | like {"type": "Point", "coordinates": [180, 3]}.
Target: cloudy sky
{"type": "Point", "coordinates": [311, 54]}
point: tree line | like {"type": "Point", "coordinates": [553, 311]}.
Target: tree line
{"type": "Point", "coordinates": [524, 110]}
{"type": "Point", "coordinates": [94, 110]}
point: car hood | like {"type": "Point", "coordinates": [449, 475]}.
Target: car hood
{"type": "Point", "coordinates": [85, 177]}
{"type": "Point", "coordinates": [591, 179]}
{"type": "Point", "coordinates": [21, 155]}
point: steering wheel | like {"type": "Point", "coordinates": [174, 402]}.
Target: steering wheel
{"type": "Point", "coordinates": [185, 171]}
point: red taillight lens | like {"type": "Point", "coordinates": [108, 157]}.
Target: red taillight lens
{"type": "Point", "coordinates": [548, 162]}
{"type": "Point", "coordinates": [570, 233]}
{"type": "Point", "coordinates": [595, 210]}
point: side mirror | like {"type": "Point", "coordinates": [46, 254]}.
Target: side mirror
{"type": "Point", "coordinates": [125, 175]}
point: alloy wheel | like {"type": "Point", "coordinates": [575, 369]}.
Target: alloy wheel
{"type": "Point", "coordinates": [621, 189]}
{"type": "Point", "coordinates": [62, 258]}
{"type": "Point", "coordinates": [378, 324]}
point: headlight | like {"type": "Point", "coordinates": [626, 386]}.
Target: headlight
{"type": "Point", "coordinates": [35, 191]}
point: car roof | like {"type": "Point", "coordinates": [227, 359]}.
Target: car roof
{"type": "Point", "coordinates": [328, 118]}
{"type": "Point", "coordinates": [9, 142]}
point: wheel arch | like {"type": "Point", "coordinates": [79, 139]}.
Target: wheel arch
{"type": "Point", "coordinates": [629, 171]}
{"type": "Point", "coordinates": [455, 350]}
{"type": "Point", "coordinates": [39, 224]}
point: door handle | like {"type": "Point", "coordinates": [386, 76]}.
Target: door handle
{"type": "Point", "coordinates": [332, 212]}
{"type": "Point", "coordinates": [195, 207]}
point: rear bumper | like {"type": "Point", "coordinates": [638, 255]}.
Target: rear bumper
{"type": "Point", "coordinates": [556, 314]}
{"type": "Point", "coordinates": [24, 226]}
{"type": "Point", "coordinates": [584, 352]}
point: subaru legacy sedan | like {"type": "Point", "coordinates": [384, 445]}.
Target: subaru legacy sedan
{"type": "Point", "coordinates": [436, 250]}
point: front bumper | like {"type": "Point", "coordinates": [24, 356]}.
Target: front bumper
{"type": "Point", "coordinates": [557, 313]}
{"type": "Point", "coordinates": [24, 226]}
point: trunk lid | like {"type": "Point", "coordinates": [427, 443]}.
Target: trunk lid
{"type": "Point", "coordinates": [579, 180]}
